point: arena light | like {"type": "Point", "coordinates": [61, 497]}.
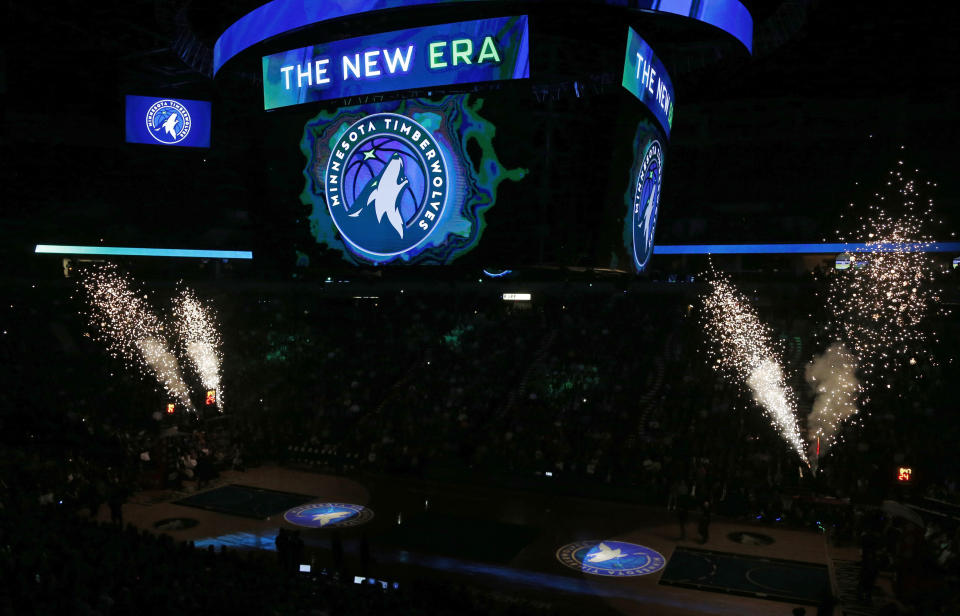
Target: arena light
{"type": "Point", "coordinates": [132, 251]}
{"type": "Point", "coordinates": [517, 297]}
{"type": "Point", "coordinates": [825, 248]}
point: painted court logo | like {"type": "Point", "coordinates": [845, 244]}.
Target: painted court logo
{"type": "Point", "coordinates": [325, 515]}
{"type": "Point", "coordinates": [645, 200]}
{"type": "Point", "coordinates": [610, 558]}
{"type": "Point", "coordinates": [168, 121]}
{"type": "Point", "coordinates": [386, 184]}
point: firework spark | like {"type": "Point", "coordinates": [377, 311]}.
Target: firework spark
{"type": "Point", "coordinates": [879, 306]}
{"type": "Point", "coordinates": [131, 331]}
{"type": "Point", "coordinates": [200, 339]}
{"type": "Point", "coordinates": [743, 351]}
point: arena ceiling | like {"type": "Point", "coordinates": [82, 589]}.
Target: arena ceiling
{"type": "Point", "coordinates": [784, 132]}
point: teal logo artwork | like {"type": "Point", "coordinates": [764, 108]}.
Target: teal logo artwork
{"type": "Point", "coordinates": [328, 515]}
{"type": "Point", "coordinates": [392, 182]}
{"type": "Point", "coordinates": [611, 558]}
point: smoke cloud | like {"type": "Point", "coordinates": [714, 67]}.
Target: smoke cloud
{"type": "Point", "coordinates": [833, 378]}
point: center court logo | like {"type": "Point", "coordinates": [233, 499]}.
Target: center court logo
{"type": "Point", "coordinates": [325, 515]}
{"type": "Point", "coordinates": [386, 184]}
{"type": "Point", "coordinates": [645, 200]}
{"type": "Point", "coordinates": [168, 121]}
{"type": "Point", "coordinates": [610, 558]}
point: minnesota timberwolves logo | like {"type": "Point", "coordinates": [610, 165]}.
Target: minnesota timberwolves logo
{"type": "Point", "coordinates": [611, 558]}
{"type": "Point", "coordinates": [386, 184]}
{"type": "Point", "coordinates": [326, 515]}
{"type": "Point", "coordinates": [168, 121]}
{"type": "Point", "coordinates": [645, 201]}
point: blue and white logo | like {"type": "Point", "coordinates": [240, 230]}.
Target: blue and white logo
{"type": "Point", "coordinates": [168, 121]}
{"type": "Point", "coordinates": [610, 558]}
{"type": "Point", "coordinates": [386, 184]}
{"type": "Point", "coordinates": [645, 200]}
{"type": "Point", "coordinates": [326, 515]}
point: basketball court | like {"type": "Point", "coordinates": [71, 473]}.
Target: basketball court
{"type": "Point", "coordinates": [506, 540]}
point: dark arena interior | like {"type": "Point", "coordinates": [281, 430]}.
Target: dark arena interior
{"type": "Point", "coordinates": [456, 307]}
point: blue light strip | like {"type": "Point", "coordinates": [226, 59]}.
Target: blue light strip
{"type": "Point", "coordinates": [781, 249]}
{"type": "Point", "coordinates": [281, 16]}
{"type": "Point", "coordinates": [56, 249]}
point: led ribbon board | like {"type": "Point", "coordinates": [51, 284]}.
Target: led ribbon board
{"type": "Point", "coordinates": [131, 251]}
{"type": "Point", "coordinates": [280, 16]}
{"type": "Point", "coordinates": [645, 77]}
{"type": "Point", "coordinates": [781, 249]}
{"type": "Point", "coordinates": [433, 56]}
{"type": "Point", "coordinates": [168, 121]}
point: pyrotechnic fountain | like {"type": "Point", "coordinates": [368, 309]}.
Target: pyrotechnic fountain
{"type": "Point", "coordinates": [877, 307]}
{"type": "Point", "coordinates": [743, 351]}
{"type": "Point", "coordinates": [200, 340]}
{"type": "Point", "coordinates": [121, 317]}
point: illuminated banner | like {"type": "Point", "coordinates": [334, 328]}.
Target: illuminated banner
{"type": "Point", "coordinates": [281, 16]}
{"type": "Point", "coordinates": [168, 121]}
{"type": "Point", "coordinates": [432, 56]}
{"type": "Point", "coordinates": [645, 77]}
{"type": "Point", "coordinates": [392, 182]}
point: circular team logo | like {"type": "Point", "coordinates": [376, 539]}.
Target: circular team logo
{"type": "Point", "coordinates": [168, 121]}
{"type": "Point", "coordinates": [326, 515]}
{"type": "Point", "coordinates": [386, 184]}
{"type": "Point", "coordinates": [645, 202]}
{"type": "Point", "coordinates": [610, 558]}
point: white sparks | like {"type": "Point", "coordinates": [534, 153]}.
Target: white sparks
{"type": "Point", "coordinates": [130, 330]}
{"type": "Point", "coordinates": [743, 350]}
{"type": "Point", "coordinates": [200, 339]}
{"type": "Point", "coordinates": [164, 364]}
{"type": "Point", "coordinates": [878, 308]}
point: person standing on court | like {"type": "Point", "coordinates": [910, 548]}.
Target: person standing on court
{"type": "Point", "coordinates": [704, 526]}
{"type": "Point", "coordinates": [682, 515]}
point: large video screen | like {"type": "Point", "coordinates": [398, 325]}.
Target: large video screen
{"type": "Point", "coordinates": [642, 197]}
{"type": "Point", "coordinates": [430, 56]}
{"type": "Point", "coordinates": [167, 121]}
{"type": "Point", "coordinates": [645, 76]}
{"type": "Point", "coordinates": [393, 182]}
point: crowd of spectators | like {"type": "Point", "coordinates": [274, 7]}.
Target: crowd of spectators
{"type": "Point", "coordinates": [54, 561]}
{"type": "Point", "coordinates": [607, 390]}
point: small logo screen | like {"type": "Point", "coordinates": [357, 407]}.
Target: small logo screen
{"type": "Point", "coordinates": [167, 121]}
